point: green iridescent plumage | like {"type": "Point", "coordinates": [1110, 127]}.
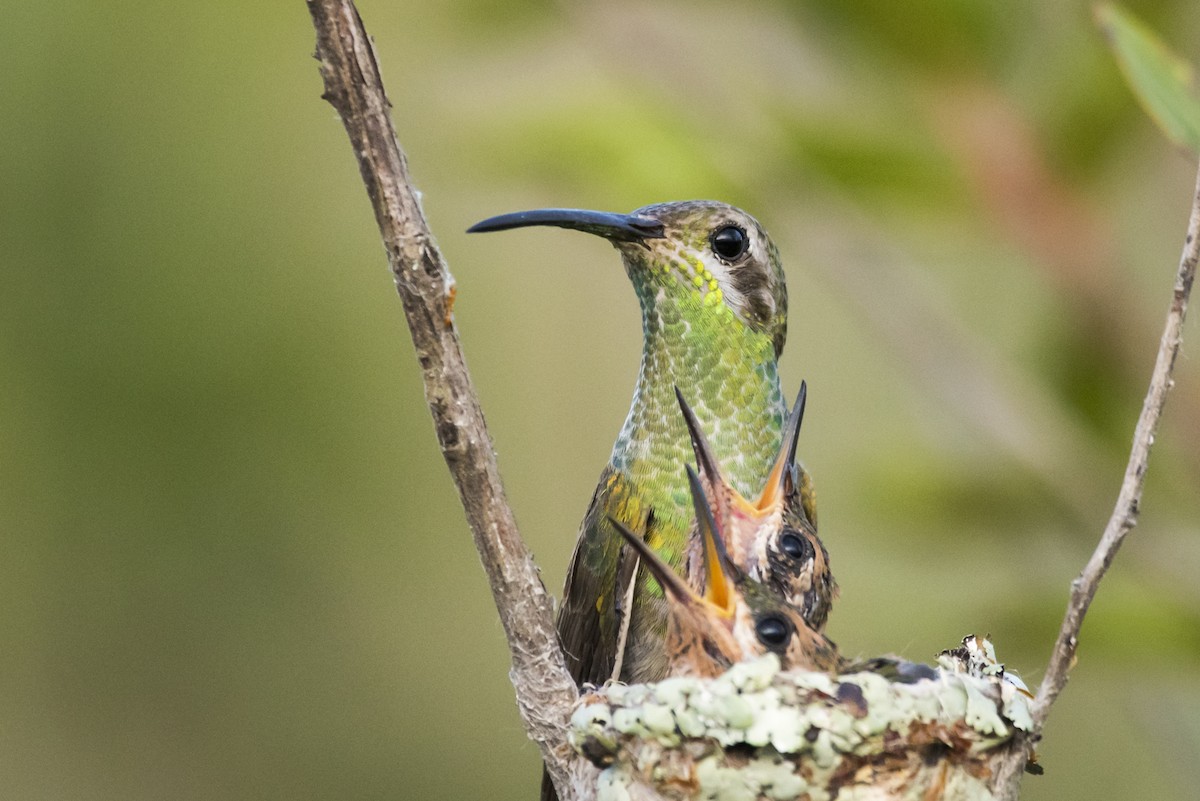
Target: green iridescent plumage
{"type": "Point", "coordinates": [714, 310]}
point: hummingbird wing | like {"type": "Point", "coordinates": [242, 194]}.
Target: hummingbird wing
{"type": "Point", "coordinates": [594, 618]}
{"type": "Point", "coordinates": [598, 579]}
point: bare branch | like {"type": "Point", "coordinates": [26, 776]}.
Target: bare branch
{"type": "Point", "coordinates": [1125, 514]}
{"type": "Point", "coordinates": [353, 85]}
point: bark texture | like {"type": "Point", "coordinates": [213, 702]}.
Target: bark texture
{"type": "Point", "coordinates": [353, 85]}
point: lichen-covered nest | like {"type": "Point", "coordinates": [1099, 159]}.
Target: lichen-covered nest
{"type": "Point", "coordinates": [757, 732]}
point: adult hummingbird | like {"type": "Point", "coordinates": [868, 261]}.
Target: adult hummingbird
{"type": "Point", "coordinates": [714, 320]}
{"type": "Point", "coordinates": [771, 538]}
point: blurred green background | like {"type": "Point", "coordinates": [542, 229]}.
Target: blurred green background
{"type": "Point", "coordinates": [233, 562]}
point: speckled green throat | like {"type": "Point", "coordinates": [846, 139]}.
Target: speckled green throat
{"type": "Point", "coordinates": [726, 370]}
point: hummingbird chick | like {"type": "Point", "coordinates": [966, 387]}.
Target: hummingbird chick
{"type": "Point", "coordinates": [732, 617]}
{"type": "Point", "coordinates": [771, 539]}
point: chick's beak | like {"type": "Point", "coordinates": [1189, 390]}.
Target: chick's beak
{"type": "Point", "coordinates": [719, 572]}
{"type": "Point", "coordinates": [727, 502]}
{"type": "Point", "coordinates": [775, 491]}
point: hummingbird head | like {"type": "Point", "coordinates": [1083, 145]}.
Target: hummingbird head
{"type": "Point", "coordinates": [798, 567]}
{"type": "Point", "coordinates": [769, 538]}
{"type": "Point", "coordinates": [677, 253]}
{"type": "Point", "coordinates": [765, 622]}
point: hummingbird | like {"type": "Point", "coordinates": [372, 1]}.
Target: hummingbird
{"type": "Point", "coordinates": [735, 617]}
{"type": "Point", "coordinates": [713, 304]}
{"type": "Point", "coordinates": [772, 539]}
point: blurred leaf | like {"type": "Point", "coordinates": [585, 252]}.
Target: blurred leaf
{"type": "Point", "coordinates": [1161, 81]}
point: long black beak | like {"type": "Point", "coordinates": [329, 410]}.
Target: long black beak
{"type": "Point", "coordinates": [612, 226]}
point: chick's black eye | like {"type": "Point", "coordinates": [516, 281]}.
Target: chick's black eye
{"type": "Point", "coordinates": [773, 631]}
{"type": "Point", "coordinates": [730, 242]}
{"type": "Point", "coordinates": [794, 546]}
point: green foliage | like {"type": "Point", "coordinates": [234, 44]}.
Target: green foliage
{"type": "Point", "coordinates": [1162, 82]}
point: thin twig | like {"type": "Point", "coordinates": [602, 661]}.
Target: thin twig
{"type": "Point", "coordinates": [353, 85]}
{"type": "Point", "coordinates": [1125, 514]}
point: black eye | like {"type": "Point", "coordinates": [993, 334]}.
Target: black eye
{"type": "Point", "coordinates": [795, 546]}
{"type": "Point", "coordinates": [773, 631]}
{"type": "Point", "coordinates": [730, 242]}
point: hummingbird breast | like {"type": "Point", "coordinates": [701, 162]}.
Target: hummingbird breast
{"type": "Point", "coordinates": [728, 374]}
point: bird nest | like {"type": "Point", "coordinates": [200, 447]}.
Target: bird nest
{"type": "Point", "coordinates": [886, 731]}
